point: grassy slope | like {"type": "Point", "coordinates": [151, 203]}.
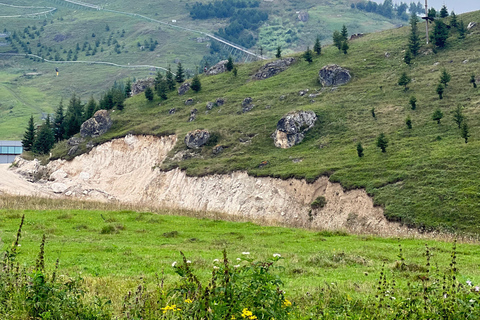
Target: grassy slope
{"type": "Point", "coordinates": [78, 24]}
{"type": "Point", "coordinates": [427, 178]}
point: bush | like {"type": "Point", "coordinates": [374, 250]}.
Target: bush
{"type": "Point", "coordinates": [319, 202]}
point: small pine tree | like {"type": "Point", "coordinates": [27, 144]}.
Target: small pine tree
{"type": "Point", "coordinates": [440, 90]}
{"type": "Point", "coordinates": [473, 80]}
{"type": "Point", "coordinates": [317, 47]}
{"type": "Point", "coordinates": [440, 34]}
{"type": "Point", "coordinates": [465, 132]}
{"type": "Point", "coordinates": [382, 142]}
{"type": "Point", "coordinates": [58, 124]}
{"type": "Point", "coordinates": [149, 94]}
{"type": "Point", "coordinates": [278, 55]}
{"type": "Point", "coordinates": [359, 150]}
{"type": "Point", "coordinates": [229, 65]}
{"type": "Point", "coordinates": [235, 71]}
{"type": "Point", "coordinates": [458, 116]}
{"type": "Point", "coordinates": [373, 113]}
{"type": "Point", "coordinates": [196, 85]}
{"type": "Point", "coordinates": [413, 102]}
{"type": "Point", "coordinates": [414, 38]}
{"type": "Point", "coordinates": [445, 77]}
{"type": "Point", "coordinates": [462, 30]}
{"type": "Point", "coordinates": [408, 122]}
{"type": "Point", "coordinates": [344, 33]}
{"type": "Point", "coordinates": [453, 20]}
{"type": "Point", "coordinates": [171, 84]}
{"type": "Point", "coordinates": [443, 12]}
{"type": "Point", "coordinates": [408, 57]}
{"type": "Point", "coordinates": [307, 55]}
{"type": "Point", "coordinates": [180, 77]}
{"type": "Point", "coordinates": [345, 46]}
{"type": "Point", "coordinates": [29, 135]}
{"type": "Point", "coordinates": [128, 88]}
{"type": "Point", "coordinates": [404, 80]}
{"type": "Point", "coordinates": [45, 138]}
{"type": "Point", "coordinates": [90, 108]}
{"type": "Point", "coordinates": [437, 116]}
{"type": "Point", "coordinates": [162, 89]}
{"type": "Point", "coordinates": [337, 39]}
{"type": "Point", "coordinates": [158, 80]}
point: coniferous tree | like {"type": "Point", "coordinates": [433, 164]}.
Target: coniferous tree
{"type": "Point", "coordinates": [73, 116]}
{"type": "Point", "coordinates": [404, 80]}
{"type": "Point", "coordinates": [345, 47]}
{"type": "Point", "coordinates": [414, 38]}
{"type": "Point", "coordinates": [317, 47]}
{"type": "Point", "coordinates": [408, 122]}
{"type": "Point", "coordinates": [128, 88]}
{"type": "Point", "coordinates": [465, 132]}
{"type": "Point", "coordinates": [453, 20]}
{"type": "Point", "coordinates": [58, 123]}
{"type": "Point", "coordinates": [344, 33]}
{"type": "Point", "coordinates": [149, 94]}
{"type": "Point", "coordinates": [171, 85]}
{"type": "Point", "coordinates": [337, 39]}
{"type": "Point", "coordinates": [382, 142]}
{"type": "Point", "coordinates": [443, 12]}
{"type": "Point", "coordinates": [445, 77]}
{"type": "Point", "coordinates": [359, 150]}
{"type": "Point", "coordinates": [196, 85]}
{"type": "Point", "coordinates": [158, 80]}
{"type": "Point", "coordinates": [235, 71]}
{"type": "Point", "coordinates": [458, 116]}
{"type": "Point", "coordinates": [118, 97]}
{"type": "Point", "coordinates": [307, 55]}
{"type": "Point", "coordinates": [413, 102]}
{"type": "Point", "coordinates": [373, 113]}
{"type": "Point", "coordinates": [440, 90]}
{"type": "Point", "coordinates": [90, 108]}
{"type": "Point", "coordinates": [278, 55]}
{"type": "Point", "coordinates": [462, 30]}
{"type": "Point", "coordinates": [180, 77]}
{"type": "Point", "coordinates": [29, 135]}
{"type": "Point", "coordinates": [229, 65]}
{"type": "Point", "coordinates": [408, 57]}
{"type": "Point", "coordinates": [162, 90]}
{"type": "Point", "coordinates": [45, 138]}
{"type": "Point", "coordinates": [473, 81]}
{"type": "Point", "coordinates": [440, 34]}
{"type": "Point", "coordinates": [437, 116]}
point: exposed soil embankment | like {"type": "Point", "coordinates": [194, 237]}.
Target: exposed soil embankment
{"type": "Point", "coordinates": [124, 170]}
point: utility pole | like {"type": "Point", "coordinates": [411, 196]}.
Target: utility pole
{"type": "Point", "coordinates": [426, 20]}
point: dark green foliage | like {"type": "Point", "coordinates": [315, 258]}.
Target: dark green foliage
{"type": "Point", "coordinates": [408, 122]}
{"type": "Point", "coordinates": [171, 85]}
{"type": "Point", "coordinates": [408, 57]}
{"type": "Point", "coordinates": [437, 116]}
{"type": "Point", "coordinates": [158, 79]}
{"type": "Point", "coordinates": [128, 88]}
{"type": "Point", "coordinates": [58, 123]}
{"type": "Point", "coordinates": [278, 55]}
{"type": "Point", "coordinates": [319, 202]}
{"type": "Point", "coordinates": [229, 64]}
{"type": "Point", "coordinates": [359, 150]}
{"type": "Point", "coordinates": [413, 102]}
{"type": "Point", "coordinates": [73, 116]}
{"type": "Point", "coordinates": [440, 90]}
{"type": "Point", "coordinates": [29, 135]}
{"type": "Point", "coordinates": [344, 33]}
{"type": "Point", "coordinates": [161, 88]}
{"type": "Point", "coordinates": [458, 116]}
{"type": "Point", "coordinates": [180, 76]}
{"type": "Point", "coordinates": [373, 113]}
{"type": "Point", "coordinates": [345, 46]}
{"type": "Point", "coordinates": [45, 138]}
{"type": "Point", "coordinates": [445, 77]}
{"type": "Point", "coordinates": [432, 14]}
{"type": "Point", "coordinates": [453, 20]}
{"type": "Point", "coordinates": [235, 71]}
{"type": "Point", "coordinates": [382, 142]}
{"type": "Point", "coordinates": [308, 56]}
{"type": "Point", "coordinates": [196, 84]}
{"type": "Point", "coordinates": [337, 40]}
{"type": "Point", "coordinates": [440, 34]}
{"type": "Point", "coordinates": [90, 108]}
{"type": "Point", "coordinates": [473, 81]}
{"type": "Point", "coordinates": [404, 80]}
{"type": "Point", "coordinates": [317, 47]}
{"type": "Point", "coordinates": [388, 10]}
{"type": "Point", "coordinates": [462, 30]}
{"type": "Point", "coordinates": [149, 94]}
{"type": "Point", "coordinates": [464, 131]}
{"type": "Point", "coordinates": [414, 38]}
{"type": "Point", "coordinates": [443, 12]}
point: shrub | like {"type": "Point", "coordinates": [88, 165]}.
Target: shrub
{"type": "Point", "coordinates": [319, 202]}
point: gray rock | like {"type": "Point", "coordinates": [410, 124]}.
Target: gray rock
{"type": "Point", "coordinates": [193, 115]}
{"type": "Point", "coordinates": [59, 187]}
{"type": "Point", "coordinates": [282, 97]}
{"type": "Point", "coordinates": [183, 88]}
{"type": "Point", "coordinates": [273, 68]}
{"type": "Point", "coordinates": [218, 149]}
{"type": "Point", "coordinates": [74, 141]}
{"type": "Point", "coordinates": [139, 86]}
{"type": "Point", "coordinates": [189, 102]}
{"type": "Point", "coordinates": [72, 151]}
{"type": "Point", "coordinates": [217, 69]}
{"type": "Point", "coordinates": [292, 127]}
{"type": "Point", "coordinates": [303, 16]}
{"type": "Point", "coordinates": [97, 125]}
{"type": "Point", "coordinates": [471, 25]}
{"type": "Point", "coordinates": [247, 105]}
{"type": "Point", "coordinates": [172, 111]}
{"type": "Point", "coordinates": [197, 138]}
{"type": "Point", "coordinates": [210, 105]}
{"type": "Point", "coordinates": [356, 36]}
{"type": "Point", "coordinates": [333, 75]}
{"type": "Point", "coordinates": [220, 102]}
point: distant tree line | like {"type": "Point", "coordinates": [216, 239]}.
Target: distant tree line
{"type": "Point", "coordinates": [390, 10]}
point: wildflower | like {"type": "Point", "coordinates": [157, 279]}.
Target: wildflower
{"type": "Point", "coordinates": [393, 298]}
{"type": "Point", "coordinates": [469, 283]}
{"type": "Point", "coordinates": [246, 252]}
{"type": "Point", "coordinates": [188, 261]}
{"type": "Point", "coordinates": [277, 255]}
{"type": "Point", "coordinates": [236, 266]}
{"type": "Point", "coordinates": [477, 289]}
{"type": "Point", "coordinates": [173, 307]}
{"type": "Point", "coordinates": [247, 314]}
{"type": "Point", "coordinates": [238, 259]}
{"type": "Point", "coordinates": [233, 317]}
{"type": "Point", "coordinates": [215, 260]}
{"type": "Point", "coordinates": [471, 301]}
{"type": "Point", "coordinates": [174, 263]}
{"type": "Point", "coordinates": [215, 267]}
{"type": "Point", "coordinates": [287, 303]}
{"type": "Point", "coordinates": [188, 301]}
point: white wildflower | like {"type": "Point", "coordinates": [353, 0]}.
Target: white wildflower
{"type": "Point", "coordinates": [215, 267]}
{"type": "Point", "coordinates": [238, 259]}
{"type": "Point", "coordinates": [237, 266]}
{"type": "Point", "coordinates": [246, 252]}
{"type": "Point", "coordinates": [471, 301]}
{"type": "Point", "coordinates": [188, 261]}
{"type": "Point", "coordinates": [216, 260]}
{"type": "Point", "coordinates": [469, 283]}
{"type": "Point", "coordinates": [477, 289]}
{"type": "Point", "coordinates": [277, 255]}
{"type": "Point", "coordinates": [174, 263]}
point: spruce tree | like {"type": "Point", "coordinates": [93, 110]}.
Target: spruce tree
{"type": "Point", "coordinates": [345, 47]}
{"type": "Point", "coordinates": [373, 113]}
{"type": "Point", "coordinates": [29, 135]}
{"type": "Point", "coordinates": [162, 89]}
{"type": "Point", "coordinates": [465, 132]}
{"type": "Point", "coordinates": [196, 85]}
{"type": "Point", "coordinates": [180, 77]}
{"type": "Point", "coordinates": [235, 71]}
{"type": "Point", "coordinates": [58, 123]}
{"type": "Point", "coordinates": [404, 80]}
{"type": "Point", "coordinates": [149, 94]}
{"type": "Point", "coordinates": [440, 90]}
{"type": "Point", "coordinates": [308, 55]}
{"type": "Point", "coordinates": [359, 150]}
{"type": "Point", "coordinates": [458, 116]}
{"type": "Point", "coordinates": [413, 102]}
{"type": "Point", "coordinates": [443, 12]}
{"type": "Point", "coordinates": [462, 30]}
{"type": "Point", "coordinates": [414, 38]}
{"type": "Point", "coordinates": [445, 77]}
{"type": "Point", "coordinates": [382, 142]}
{"type": "Point", "coordinates": [171, 85]}
{"type": "Point", "coordinates": [317, 47]}
{"type": "Point", "coordinates": [278, 55]}
{"type": "Point", "coordinates": [408, 57]}
{"type": "Point", "coordinates": [229, 65]}
{"type": "Point", "coordinates": [453, 20]}
{"type": "Point", "coordinates": [128, 88]}
{"type": "Point", "coordinates": [90, 108]}
{"type": "Point", "coordinates": [344, 33]}
{"type": "Point", "coordinates": [73, 116]}
{"type": "Point", "coordinates": [440, 34]}
{"type": "Point", "coordinates": [473, 80]}
{"type": "Point", "coordinates": [45, 138]}
{"type": "Point", "coordinates": [408, 122]}
{"type": "Point", "coordinates": [158, 80]}
{"type": "Point", "coordinates": [437, 116]}
{"type": "Point", "coordinates": [337, 40]}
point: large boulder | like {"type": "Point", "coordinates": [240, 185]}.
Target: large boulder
{"type": "Point", "coordinates": [303, 16]}
{"type": "Point", "coordinates": [218, 68]}
{"type": "Point", "coordinates": [139, 86]}
{"type": "Point", "coordinates": [333, 75]}
{"type": "Point", "coordinates": [273, 68]}
{"type": "Point", "coordinates": [292, 127]}
{"type": "Point", "coordinates": [97, 125]}
{"type": "Point", "coordinates": [196, 138]}
{"type": "Point", "coordinates": [183, 88]}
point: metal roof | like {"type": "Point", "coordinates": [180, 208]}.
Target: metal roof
{"type": "Point", "coordinates": [8, 143]}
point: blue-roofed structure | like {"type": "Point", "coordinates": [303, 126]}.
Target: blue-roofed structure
{"type": "Point", "coordinates": [9, 150]}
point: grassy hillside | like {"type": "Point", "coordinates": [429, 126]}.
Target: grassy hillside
{"type": "Point", "coordinates": [428, 176]}
{"type": "Point", "coordinates": [70, 25]}
{"type": "Point", "coordinates": [115, 250]}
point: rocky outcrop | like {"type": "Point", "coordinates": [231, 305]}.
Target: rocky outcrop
{"type": "Point", "coordinates": [220, 102]}
{"type": "Point", "coordinates": [193, 115]}
{"type": "Point", "coordinates": [139, 86]}
{"type": "Point", "coordinates": [189, 102]}
{"type": "Point", "coordinates": [292, 127]}
{"type": "Point", "coordinates": [471, 25]}
{"type": "Point", "coordinates": [247, 104]}
{"type": "Point", "coordinates": [183, 89]}
{"type": "Point", "coordinates": [333, 75]}
{"type": "Point", "coordinates": [210, 105]}
{"type": "Point", "coordinates": [303, 16]}
{"type": "Point", "coordinates": [96, 125]}
{"type": "Point", "coordinates": [218, 68]}
{"type": "Point", "coordinates": [273, 68]}
{"type": "Point", "coordinates": [197, 138]}
{"type": "Point", "coordinates": [356, 36]}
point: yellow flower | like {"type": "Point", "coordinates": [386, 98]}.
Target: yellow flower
{"type": "Point", "coordinates": [287, 303]}
{"type": "Point", "coordinates": [233, 318]}
{"type": "Point", "coordinates": [173, 307]}
{"type": "Point", "coordinates": [188, 301]}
